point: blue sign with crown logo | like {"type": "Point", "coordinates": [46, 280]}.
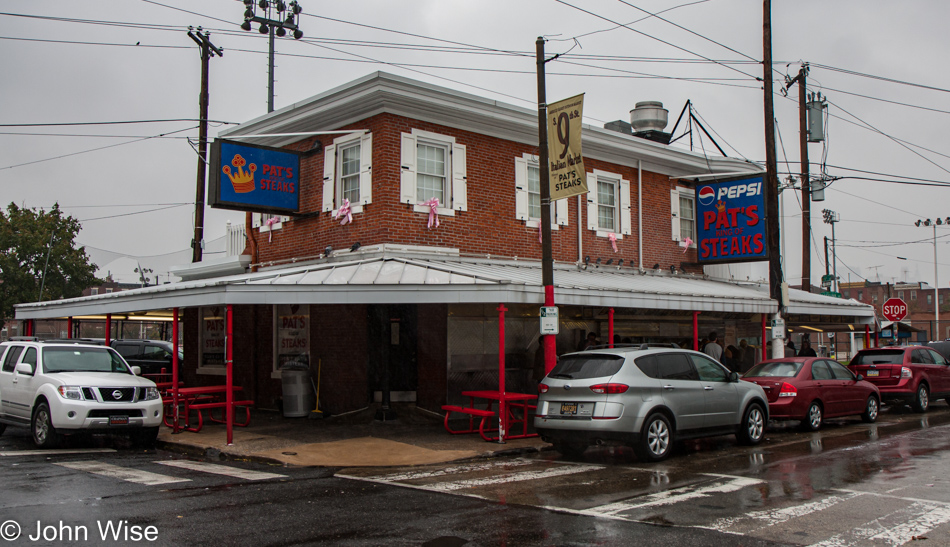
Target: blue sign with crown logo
{"type": "Point", "coordinates": [253, 178]}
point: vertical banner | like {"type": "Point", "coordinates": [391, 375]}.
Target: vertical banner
{"type": "Point", "coordinates": [212, 337]}
{"type": "Point", "coordinates": [293, 333]}
{"type": "Point", "coordinates": [568, 177]}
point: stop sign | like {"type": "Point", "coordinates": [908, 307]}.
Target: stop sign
{"type": "Point", "coordinates": [894, 309]}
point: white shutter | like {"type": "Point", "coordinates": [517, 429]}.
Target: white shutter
{"type": "Point", "coordinates": [255, 220]}
{"type": "Point", "coordinates": [407, 184]}
{"type": "Point", "coordinates": [625, 222]}
{"type": "Point", "coordinates": [521, 189]}
{"type": "Point", "coordinates": [675, 213]}
{"type": "Point", "coordinates": [366, 169]}
{"type": "Point", "coordinates": [329, 172]}
{"type": "Point", "coordinates": [459, 190]}
{"type": "Point", "coordinates": [561, 210]}
{"type": "Point", "coordinates": [591, 201]}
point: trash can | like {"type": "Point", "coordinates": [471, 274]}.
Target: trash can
{"type": "Point", "coordinates": [295, 378]}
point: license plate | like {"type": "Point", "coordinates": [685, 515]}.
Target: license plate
{"type": "Point", "coordinates": [873, 372]}
{"type": "Point", "coordinates": [118, 420]}
{"type": "Point", "coordinates": [569, 408]}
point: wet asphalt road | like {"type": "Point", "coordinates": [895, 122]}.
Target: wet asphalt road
{"type": "Point", "coordinates": [850, 484]}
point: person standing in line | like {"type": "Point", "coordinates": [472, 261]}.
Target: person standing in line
{"type": "Point", "coordinates": [790, 349]}
{"type": "Point", "coordinates": [807, 350]}
{"type": "Point", "coordinates": [712, 348]}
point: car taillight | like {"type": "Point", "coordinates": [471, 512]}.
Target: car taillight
{"type": "Point", "coordinates": [788, 390]}
{"type": "Point", "coordinates": [543, 388]}
{"type": "Point", "coordinates": [610, 388]}
{"type": "Point", "coordinates": [906, 372]}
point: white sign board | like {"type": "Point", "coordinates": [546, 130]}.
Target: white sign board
{"type": "Point", "coordinates": [549, 320]}
{"type": "Point", "coordinates": [778, 328]}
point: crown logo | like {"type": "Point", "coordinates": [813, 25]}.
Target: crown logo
{"type": "Point", "coordinates": [721, 205]}
{"type": "Point", "coordinates": [243, 181]}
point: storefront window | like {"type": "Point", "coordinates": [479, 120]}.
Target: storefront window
{"type": "Point", "coordinates": [212, 340]}
{"type": "Point", "coordinates": [292, 325]}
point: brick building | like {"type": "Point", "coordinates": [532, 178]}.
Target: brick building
{"type": "Point", "coordinates": [405, 298]}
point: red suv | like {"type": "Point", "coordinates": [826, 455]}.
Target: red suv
{"type": "Point", "coordinates": [911, 375]}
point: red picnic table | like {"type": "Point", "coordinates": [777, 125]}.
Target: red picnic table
{"type": "Point", "coordinates": [507, 401]}
{"type": "Point", "coordinates": [200, 398]}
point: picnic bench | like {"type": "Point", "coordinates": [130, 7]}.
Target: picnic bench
{"type": "Point", "coordinates": [512, 403]}
{"type": "Point", "coordinates": [200, 398]}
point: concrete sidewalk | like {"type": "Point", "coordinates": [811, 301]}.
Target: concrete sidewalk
{"type": "Point", "coordinates": [415, 437]}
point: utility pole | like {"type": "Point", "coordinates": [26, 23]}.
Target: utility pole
{"type": "Point", "coordinates": [547, 256]}
{"type": "Point", "coordinates": [208, 50]}
{"type": "Point", "coordinates": [805, 182]}
{"type": "Point", "coordinates": [276, 18]}
{"type": "Point", "coordinates": [771, 182]}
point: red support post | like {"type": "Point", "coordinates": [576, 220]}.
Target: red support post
{"type": "Point", "coordinates": [175, 367]}
{"type": "Point", "coordinates": [501, 373]}
{"type": "Point", "coordinates": [610, 328]}
{"type": "Point", "coordinates": [108, 329]}
{"type": "Point", "coordinates": [765, 346]}
{"type": "Point", "coordinates": [550, 341]}
{"type": "Point", "coordinates": [69, 327]}
{"type": "Point", "coordinates": [228, 358]}
{"type": "Point", "coordinates": [696, 330]}
{"type": "Point", "coordinates": [29, 327]}
{"type": "Point", "coordinates": [867, 336]}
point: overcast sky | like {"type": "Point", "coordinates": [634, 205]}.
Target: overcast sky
{"type": "Point", "coordinates": [130, 60]}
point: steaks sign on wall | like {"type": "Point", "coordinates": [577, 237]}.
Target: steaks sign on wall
{"type": "Point", "coordinates": [730, 221]}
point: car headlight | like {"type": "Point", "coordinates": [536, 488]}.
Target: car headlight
{"type": "Point", "coordinates": [151, 393]}
{"type": "Point", "coordinates": [70, 392]}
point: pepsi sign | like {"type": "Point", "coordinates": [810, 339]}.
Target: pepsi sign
{"type": "Point", "coordinates": [730, 221]}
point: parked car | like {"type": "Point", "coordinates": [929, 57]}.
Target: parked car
{"type": "Point", "coordinates": [150, 355]}
{"type": "Point", "coordinates": [647, 398]}
{"type": "Point", "coordinates": [812, 389]}
{"type": "Point", "coordinates": [911, 375]}
{"type": "Point", "coordinates": [61, 388]}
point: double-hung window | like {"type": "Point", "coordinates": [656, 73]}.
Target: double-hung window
{"type": "Point", "coordinates": [683, 214]}
{"type": "Point", "coordinates": [347, 172]}
{"type": "Point", "coordinates": [528, 195]}
{"type": "Point", "coordinates": [608, 204]}
{"type": "Point", "coordinates": [433, 166]}
{"type": "Point", "coordinates": [265, 222]}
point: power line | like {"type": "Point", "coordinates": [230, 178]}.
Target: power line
{"type": "Point", "coordinates": [62, 124]}
{"type": "Point", "coordinates": [135, 213]}
{"type": "Point", "coordinates": [882, 78]}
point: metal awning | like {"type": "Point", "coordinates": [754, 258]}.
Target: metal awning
{"type": "Point", "coordinates": [388, 277]}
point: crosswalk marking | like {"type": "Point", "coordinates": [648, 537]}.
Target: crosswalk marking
{"type": "Point", "coordinates": [411, 475]}
{"type": "Point", "coordinates": [57, 452]}
{"type": "Point", "coordinates": [771, 517]}
{"type": "Point", "coordinates": [510, 477]}
{"type": "Point", "coordinates": [676, 495]}
{"type": "Point", "coordinates": [222, 470]}
{"type": "Point", "coordinates": [123, 473]}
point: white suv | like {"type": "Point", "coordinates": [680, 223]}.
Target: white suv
{"type": "Point", "coordinates": [57, 388]}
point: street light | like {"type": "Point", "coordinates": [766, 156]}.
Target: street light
{"type": "Point", "coordinates": [831, 217]}
{"type": "Point", "coordinates": [277, 17]}
{"type": "Point", "coordinates": [935, 334]}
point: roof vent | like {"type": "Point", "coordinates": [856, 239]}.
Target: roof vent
{"type": "Point", "coordinates": [649, 116]}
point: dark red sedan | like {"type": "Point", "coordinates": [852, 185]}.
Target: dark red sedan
{"type": "Point", "coordinates": [811, 389]}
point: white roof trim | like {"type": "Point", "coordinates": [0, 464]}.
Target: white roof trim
{"type": "Point", "coordinates": [391, 278]}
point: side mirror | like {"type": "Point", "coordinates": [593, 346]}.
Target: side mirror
{"type": "Point", "coordinates": [859, 378]}
{"type": "Point", "coordinates": [25, 368]}
{"type": "Point", "coordinates": [733, 377]}
{"type": "Point", "coordinates": [137, 371]}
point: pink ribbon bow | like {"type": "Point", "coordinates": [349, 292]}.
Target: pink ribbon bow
{"type": "Point", "coordinates": [539, 234]}
{"type": "Point", "coordinates": [344, 213]}
{"type": "Point", "coordinates": [270, 224]}
{"type": "Point", "coordinates": [433, 205]}
{"type": "Point", "coordinates": [685, 244]}
{"type": "Point", "coordinates": [613, 240]}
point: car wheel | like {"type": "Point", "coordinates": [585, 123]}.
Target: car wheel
{"type": "Point", "coordinates": [656, 439]}
{"type": "Point", "coordinates": [922, 401]}
{"type": "Point", "coordinates": [871, 410]}
{"type": "Point", "coordinates": [44, 434]}
{"type": "Point", "coordinates": [569, 449]}
{"type": "Point", "coordinates": [812, 421]}
{"type": "Point", "coordinates": [145, 437]}
{"type": "Point", "coordinates": [752, 429]}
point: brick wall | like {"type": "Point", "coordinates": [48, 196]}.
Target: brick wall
{"type": "Point", "coordinates": [338, 339]}
{"type": "Point", "coordinates": [488, 226]}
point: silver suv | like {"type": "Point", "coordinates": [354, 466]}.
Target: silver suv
{"type": "Point", "coordinates": [57, 388]}
{"type": "Point", "coordinates": [647, 398]}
